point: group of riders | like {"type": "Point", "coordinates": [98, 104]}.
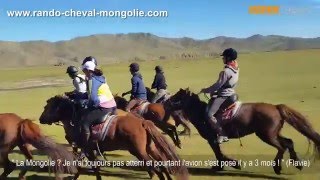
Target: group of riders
{"type": "Point", "coordinates": [94, 98]}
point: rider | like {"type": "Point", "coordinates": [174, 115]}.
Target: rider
{"type": "Point", "coordinates": [79, 94]}
{"type": "Point", "coordinates": [159, 83]}
{"type": "Point", "coordinates": [224, 87]}
{"type": "Point", "coordinates": [101, 101]}
{"type": "Point", "coordinates": [138, 91]}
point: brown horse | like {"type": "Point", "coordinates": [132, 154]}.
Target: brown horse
{"type": "Point", "coordinates": [158, 113]}
{"type": "Point", "coordinates": [15, 131]}
{"type": "Point", "coordinates": [126, 132]}
{"type": "Point", "coordinates": [178, 115]}
{"type": "Point", "coordinates": [265, 120]}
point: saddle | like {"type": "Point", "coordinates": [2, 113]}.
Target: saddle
{"type": "Point", "coordinates": [231, 100]}
{"type": "Point", "coordinates": [140, 107]}
{"type": "Point", "coordinates": [100, 130]}
{"type": "Point", "coordinates": [140, 103]}
{"type": "Point", "coordinates": [229, 108]}
{"type": "Point", "coordinates": [164, 98]}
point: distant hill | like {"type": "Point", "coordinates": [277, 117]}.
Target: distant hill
{"type": "Point", "coordinates": [110, 48]}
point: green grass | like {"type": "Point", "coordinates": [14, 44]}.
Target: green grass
{"type": "Point", "coordinates": [290, 77]}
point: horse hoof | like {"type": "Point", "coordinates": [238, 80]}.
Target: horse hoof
{"type": "Point", "coordinates": [22, 178]}
{"type": "Point", "coordinates": [151, 174]}
{"type": "Point", "coordinates": [277, 170]}
{"type": "Point", "coordinates": [299, 167]}
{"type": "Point", "coordinates": [237, 167]}
{"type": "Point", "coordinates": [217, 168]}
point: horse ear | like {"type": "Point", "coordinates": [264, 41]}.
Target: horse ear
{"type": "Point", "coordinates": [188, 90]}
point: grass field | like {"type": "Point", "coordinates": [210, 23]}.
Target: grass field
{"type": "Point", "coordinates": [290, 77]}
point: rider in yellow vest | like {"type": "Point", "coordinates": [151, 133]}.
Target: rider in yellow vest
{"type": "Point", "coordinates": [101, 101]}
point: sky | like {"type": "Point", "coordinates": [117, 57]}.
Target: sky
{"type": "Point", "coordinates": [198, 19]}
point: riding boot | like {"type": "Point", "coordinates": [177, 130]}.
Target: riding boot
{"type": "Point", "coordinates": [221, 135]}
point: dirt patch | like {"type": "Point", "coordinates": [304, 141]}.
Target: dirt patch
{"type": "Point", "coordinates": [35, 83]}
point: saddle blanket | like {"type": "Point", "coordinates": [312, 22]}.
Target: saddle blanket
{"type": "Point", "coordinates": [100, 131]}
{"type": "Point", "coordinates": [232, 111]}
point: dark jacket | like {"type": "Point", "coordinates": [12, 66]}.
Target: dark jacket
{"type": "Point", "coordinates": [138, 89]}
{"type": "Point", "coordinates": [159, 81]}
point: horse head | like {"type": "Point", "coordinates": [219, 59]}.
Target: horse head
{"type": "Point", "coordinates": [178, 99]}
{"type": "Point", "coordinates": [56, 109]}
{"type": "Point", "coordinates": [121, 102]}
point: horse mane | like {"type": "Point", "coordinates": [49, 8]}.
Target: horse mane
{"type": "Point", "coordinates": [60, 100]}
{"type": "Point", "coordinates": [120, 101]}
{"type": "Point", "coordinates": [196, 104]}
{"type": "Point", "coordinates": [150, 94]}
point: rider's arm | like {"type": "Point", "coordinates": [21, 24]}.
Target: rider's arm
{"type": "Point", "coordinates": [134, 84]}
{"type": "Point", "coordinates": [155, 82]}
{"type": "Point", "coordinates": [216, 86]}
{"type": "Point", "coordinates": [76, 84]}
{"type": "Point", "coordinates": [94, 94]}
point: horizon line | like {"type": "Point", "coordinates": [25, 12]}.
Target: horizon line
{"type": "Point", "coordinates": [169, 37]}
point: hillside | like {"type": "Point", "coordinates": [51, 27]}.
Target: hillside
{"type": "Point", "coordinates": [139, 46]}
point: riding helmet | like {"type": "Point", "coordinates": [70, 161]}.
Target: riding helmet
{"type": "Point", "coordinates": [90, 58]}
{"type": "Point", "coordinates": [72, 70]}
{"type": "Point", "coordinates": [230, 54]}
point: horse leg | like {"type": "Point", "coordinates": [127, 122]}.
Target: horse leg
{"type": "Point", "coordinates": [139, 150]}
{"type": "Point", "coordinates": [288, 143]}
{"type": "Point", "coordinates": [155, 154]}
{"type": "Point", "coordinates": [173, 130]}
{"type": "Point", "coordinates": [24, 149]}
{"type": "Point", "coordinates": [221, 157]}
{"type": "Point", "coordinates": [8, 165]}
{"type": "Point", "coordinates": [143, 156]}
{"type": "Point", "coordinates": [275, 142]}
{"type": "Point", "coordinates": [76, 176]}
{"type": "Point", "coordinates": [179, 120]}
{"type": "Point", "coordinates": [170, 133]}
{"type": "Point", "coordinates": [92, 157]}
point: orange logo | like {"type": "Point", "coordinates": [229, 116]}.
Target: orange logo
{"type": "Point", "coordinates": [264, 9]}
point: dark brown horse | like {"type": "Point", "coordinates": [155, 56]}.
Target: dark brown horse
{"type": "Point", "coordinates": [178, 115]}
{"type": "Point", "coordinates": [15, 131]}
{"type": "Point", "coordinates": [127, 132]}
{"type": "Point", "coordinates": [158, 113]}
{"type": "Point", "coordinates": [265, 120]}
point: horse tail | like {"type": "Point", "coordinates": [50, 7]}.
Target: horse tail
{"type": "Point", "coordinates": [300, 123]}
{"type": "Point", "coordinates": [167, 149]}
{"type": "Point", "coordinates": [30, 133]}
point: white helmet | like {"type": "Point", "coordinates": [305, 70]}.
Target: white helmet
{"type": "Point", "coordinates": [89, 65]}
